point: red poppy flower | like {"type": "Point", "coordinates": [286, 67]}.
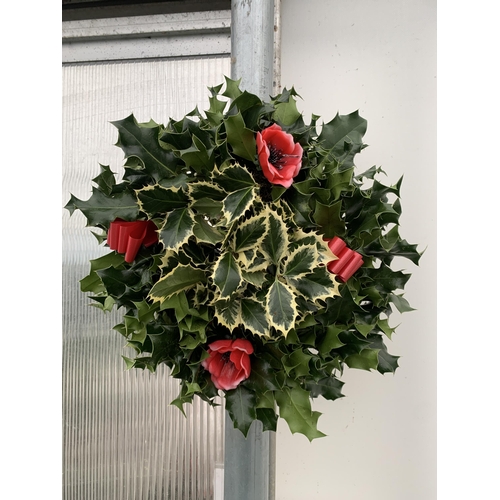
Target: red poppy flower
{"type": "Point", "coordinates": [228, 362]}
{"type": "Point", "coordinates": [279, 157]}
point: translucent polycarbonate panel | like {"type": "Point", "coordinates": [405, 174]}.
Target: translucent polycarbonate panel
{"type": "Point", "coordinates": [121, 438]}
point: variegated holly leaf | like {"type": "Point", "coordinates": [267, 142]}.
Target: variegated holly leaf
{"type": "Point", "coordinates": [228, 312]}
{"type": "Point", "coordinates": [275, 242]}
{"type": "Point", "coordinates": [182, 277]}
{"type": "Point", "coordinates": [250, 233]}
{"type": "Point", "coordinates": [300, 261]}
{"type": "Point", "coordinates": [206, 232]}
{"type": "Point", "coordinates": [177, 229]}
{"type": "Point", "coordinates": [234, 177]}
{"type": "Point", "coordinates": [227, 275]}
{"type": "Point", "coordinates": [281, 306]}
{"type": "Point", "coordinates": [254, 317]}
{"type": "Point", "coordinates": [237, 203]}
{"type": "Point", "coordinates": [317, 285]}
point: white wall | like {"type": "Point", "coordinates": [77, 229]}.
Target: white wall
{"type": "Point", "coordinates": [378, 56]}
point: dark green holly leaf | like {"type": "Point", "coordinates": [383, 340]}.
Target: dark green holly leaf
{"type": "Point", "coordinates": [367, 359]}
{"type": "Point", "coordinates": [101, 210]}
{"type": "Point", "coordinates": [262, 377]}
{"type": "Point", "coordinates": [105, 180]}
{"type": "Point", "coordinates": [331, 339]}
{"type": "Point", "coordinates": [268, 418]}
{"type": "Point", "coordinates": [402, 305]}
{"type": "Point", "coordinates": [387, 280]}
{"type": "Point", "coordinates": [328, 387]}
{"type": "Point", "coordinates": [198, 156]}
{"type": "Point", "coordinates": [286, 112]}
{"type": "Point", "coordinates": [297, 363]}
{"type": "Point", "coordinates": [240, 403]}
{"type": "Point", "coordinates": [141, 140]}
{"type": "Point", "coordinates": [387, 363]}
{"type": "Point", "coordinates": [232, 88]}
{"type": "Point", "coordinates": [295, 408]}
{"type": "Point", "coordinates": [118, 281]}
{"type": "Point", "coordinates": [329, 219]}
{"type": "Point", "coordinates": [155, 200]}
{"type": "Point", "coordinates": [343, 136]}
{"type": "Point", "coordinates": [241, 139]}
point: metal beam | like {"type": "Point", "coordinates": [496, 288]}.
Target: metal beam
{"type": "Point", "coordinates": [249, 463]}
{"type": "Point", "coordinates": [252, 45]}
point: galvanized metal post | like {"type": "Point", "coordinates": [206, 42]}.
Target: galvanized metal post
{"type": "Point", "coordinates": [249, 463]}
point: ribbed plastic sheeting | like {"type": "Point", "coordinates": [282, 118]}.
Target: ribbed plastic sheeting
{"type": "Point", "coordinates": [122, 440]}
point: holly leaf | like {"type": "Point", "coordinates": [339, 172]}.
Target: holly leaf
{"type": "Point", "coordinates": [250, 233]}
{"type": "Point", "coordinates": [253, 316]}
{"type": "Point", "coordinates": [141, 140]}
{"type": "Point", "coordinates": [205, 232]}
{"type": "Point", "coordinates": [328, 387]}
{"type": "Point", "coordinates": [240, 404]}
{"type": "Point", "coordinates": [276, 240]}
{"type": "Point", "coordinates": [241, 139]}
{"type": "Point", "coordinates": [281, 306]}
{"type": "Point", "coordinates": [182, 277]}
{"type": "Point", "coordinates": [105, 180]}
{"type": "Point", "coordinates": [295, 407]}
{"type": "Point", "coordinates": [177, 229]}
{"type": "Point", "coordinates": [343, 137]}
{"type": "Point", "coordinates": [155, 200]}
{"type": "Point", "coordinates": [237, 203]}
{"type": "Point", "coordinates": [101, 210]}
{"type": "Point", "coordinates": [227, 275]}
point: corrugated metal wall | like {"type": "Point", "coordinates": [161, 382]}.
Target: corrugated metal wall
{"type": "Point", "coordinates": [121, 438]}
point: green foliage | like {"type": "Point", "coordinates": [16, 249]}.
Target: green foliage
{"type": "Point", "coordinates": [238, 257]}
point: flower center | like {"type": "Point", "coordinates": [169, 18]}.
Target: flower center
{"type": "Point", "coordinates": [276, 157]}
{"type": "Point", "coordinates": [225, 356]}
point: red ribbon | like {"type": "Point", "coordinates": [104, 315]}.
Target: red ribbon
{"type": "Point", "coordinates": [127, 237]}
{"type": "Point", "coordinates": [348, 261]}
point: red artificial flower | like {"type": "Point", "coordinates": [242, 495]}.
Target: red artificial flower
{"type": "Point", "coordinates": [127, 237]}
{"type": "Point", "coordinates": [279, 157]}
{"type": "Point", "coordinates": [348, 261]}
{"type": "Point", "coordinates": [228, 362]}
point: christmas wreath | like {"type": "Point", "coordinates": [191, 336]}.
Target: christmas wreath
{"type": "Point", "coordinates": [248, 256]}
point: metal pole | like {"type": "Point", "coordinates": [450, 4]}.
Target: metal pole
{"type": "Point", "coordinates": [249, 463]}
{"type": "Point", "coordinates": [252, 45]}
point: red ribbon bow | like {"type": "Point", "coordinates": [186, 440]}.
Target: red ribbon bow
{"type": "Point", "coordinates": [348, 261]}
{"type": "Point", "coordinates": [127, 237]}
